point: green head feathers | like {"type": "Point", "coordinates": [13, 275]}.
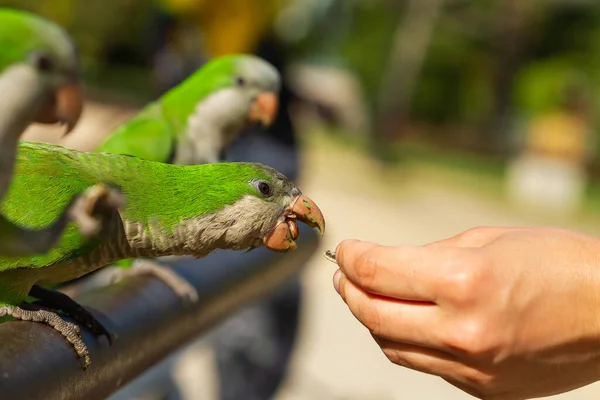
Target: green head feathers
{"type": "Point", "coordinates": [24, 37]}
{"type": "Point", "coordinates": [189, 192]}
{"type": "Point", "coordinates": [245, 74]}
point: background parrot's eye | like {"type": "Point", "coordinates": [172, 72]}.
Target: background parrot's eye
{"type": "Point", "coordinates": [264, 188]}
{"type": "Point", "coordinates": [240, 81]}
{"type": "Point", "coordinates": [42, 61]}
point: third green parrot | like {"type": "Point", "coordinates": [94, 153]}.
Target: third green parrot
{"type": "Point", "coordinates": [39, 82]}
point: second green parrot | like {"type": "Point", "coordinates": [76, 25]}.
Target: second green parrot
{"type": "Point", "coordinates": [195, 123]}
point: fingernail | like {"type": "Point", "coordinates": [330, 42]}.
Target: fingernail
{"type": "Point", "coordinates": [336, 280]}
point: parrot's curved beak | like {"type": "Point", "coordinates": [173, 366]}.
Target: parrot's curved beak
{"type": "Point", "coordinates": [65, 106]}
{"type": "Point", "coordinates": [282, 237]}
{"type": "Point", "coordinates": [264, 109]}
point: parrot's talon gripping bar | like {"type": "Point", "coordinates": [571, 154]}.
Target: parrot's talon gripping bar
{"type": "Point", "coordinates": [330, 256]}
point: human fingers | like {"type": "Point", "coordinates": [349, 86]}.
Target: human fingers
{"type": "Point", "coordinates": [411, 273]}
{"type": "Point", "coordinates": [403, 321]}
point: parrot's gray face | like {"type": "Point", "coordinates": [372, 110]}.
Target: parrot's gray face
{"type": "Point", "coordinates": [49, 78]}
{"type": "Point", "coordinates": [251, 98]}
{"type": "Point", "coordinates": [59, 75]}
{"type": "Point", "coordinates": [269, 216]}
{"type": "Point", "coordinates": [265, 215]}
{"type": "Point", "coordinates": [291, 206]}
{"type": "Point", "coordinates": [258, 83]}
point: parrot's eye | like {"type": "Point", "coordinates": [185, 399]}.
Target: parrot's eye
{"type": "Point", "coordinates": [42, 61]}
{"type": "Point", "coordinates": [240, 81]}
{"type": "Point", "coordinates": [264, 188]}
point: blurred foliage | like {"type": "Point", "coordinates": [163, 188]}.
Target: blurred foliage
{"type": "Point", "coordinates": [563, 48]}
{"type": "Point", "coordinates": [367, 43]}
{"type": "Point", "coordinates": [486, 58]}
{"type": "Point", "coordinates": [111, 36]}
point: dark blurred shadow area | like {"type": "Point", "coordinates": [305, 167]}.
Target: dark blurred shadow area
{"type": "Point", "coordinates": [498, 98]}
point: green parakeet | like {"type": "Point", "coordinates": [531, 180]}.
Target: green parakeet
{"type": "Point", "coordinates": [39, 82]}
{"type": "Point", "coordinates": [195, 123]}
{"type": "Point", "coordinates": [170, 210]}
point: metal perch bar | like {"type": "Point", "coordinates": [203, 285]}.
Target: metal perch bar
{"type": "Point", "coordinates": [149, 320]}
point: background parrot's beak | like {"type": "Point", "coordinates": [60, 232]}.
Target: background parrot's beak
{"type": "Point", "coordinates": [264, 109]}
{"type": "Point", "coordinates": [282, 236]}
{"type": "Point", "coordinates": [65, 106]}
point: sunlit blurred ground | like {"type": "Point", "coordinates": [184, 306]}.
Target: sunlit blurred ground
{"type": "Point", "coordinates": [336, 357]}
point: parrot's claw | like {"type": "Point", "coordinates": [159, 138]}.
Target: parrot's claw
{"type": "Point", "coordinates": [68, 330]}
{"type": "Point", "coordinates": [180, 286]}
{"type": "Point", "coordinates": [96, 200]}
{"type": "Point", "coordinates": [59, 301]}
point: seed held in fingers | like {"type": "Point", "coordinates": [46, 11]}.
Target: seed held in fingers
{"type": "Point", "coordinates": [330, 256]}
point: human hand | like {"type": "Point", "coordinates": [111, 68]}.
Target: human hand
{"type": "Point", "coordinates": [501, 313]}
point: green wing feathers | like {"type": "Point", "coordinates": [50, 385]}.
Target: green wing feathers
{"type": "Point", "coordinates": [43, 185]}
{"type": "Point", "coordinates": [148, 135]}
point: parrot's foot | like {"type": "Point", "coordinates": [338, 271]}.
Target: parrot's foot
{"type": "Point", "coordinates": [180, 286]}
{"type": "Point", "coordinates": [70, 331]}
{"type": "Point", "coordinates": [96, 200]}
{"type": "Point", "coordinates": [59, 301]}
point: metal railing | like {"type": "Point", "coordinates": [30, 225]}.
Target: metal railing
{"type": "Point", "coordinates": [149, 320]}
